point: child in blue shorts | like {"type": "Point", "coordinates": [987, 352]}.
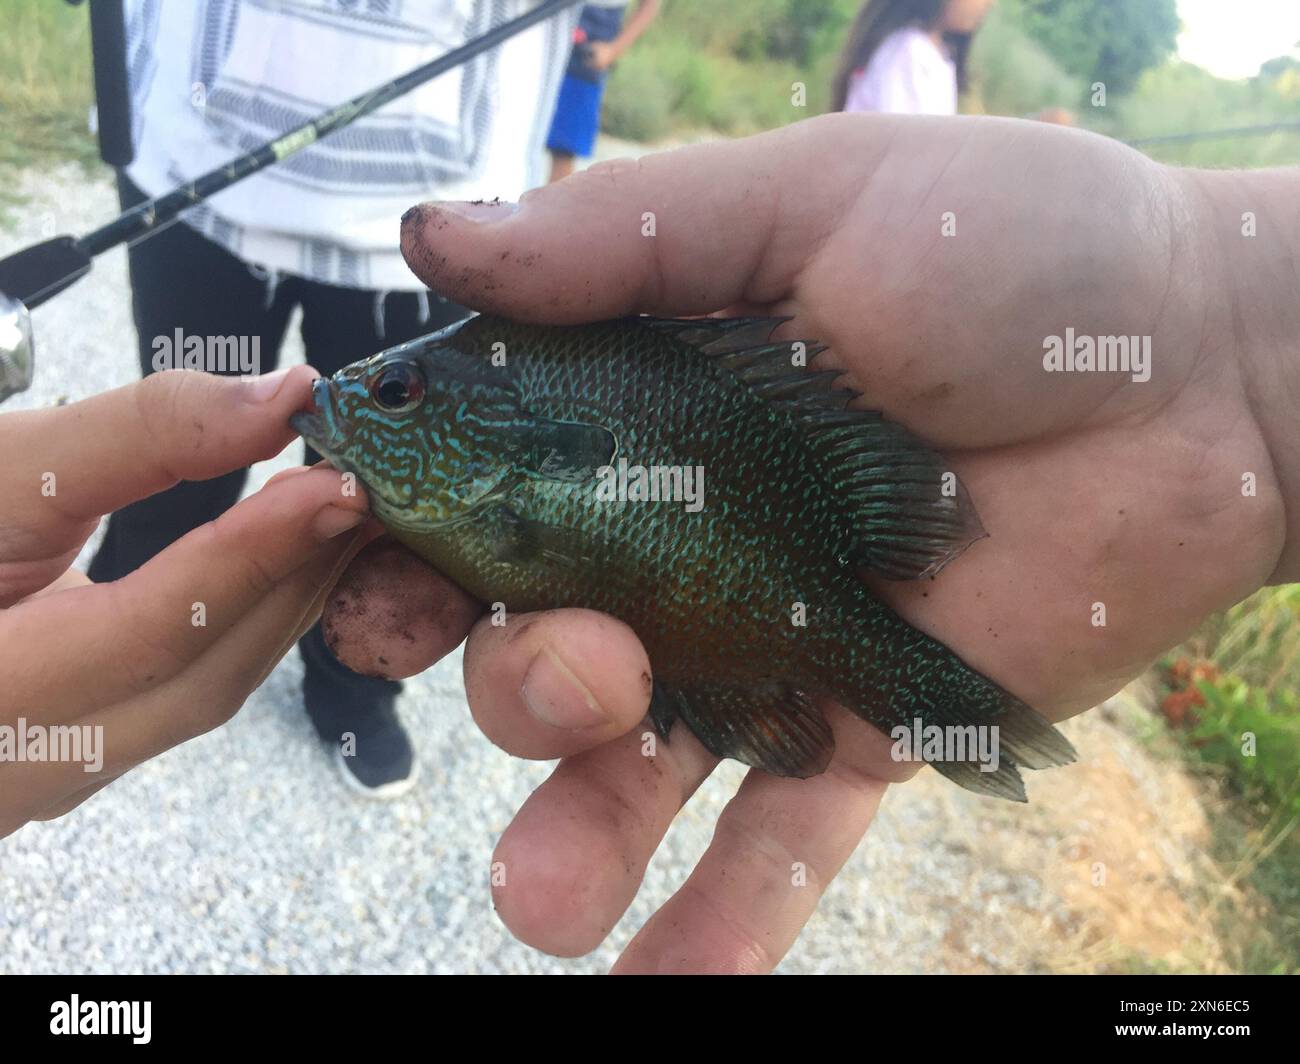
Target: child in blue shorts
{"type": "Point", "coordinates": [599, 41]}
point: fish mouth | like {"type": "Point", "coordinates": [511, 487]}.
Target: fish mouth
{"type": "Point", "coordinates": [321, 427]}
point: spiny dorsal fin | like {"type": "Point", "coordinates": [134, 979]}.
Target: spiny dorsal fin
{"type": "Point", "coordinates": [911, 515]}
{"type": "Point", "coordinates": [771, 726]}
{"type": "Point", "coordinates": [719, 336]}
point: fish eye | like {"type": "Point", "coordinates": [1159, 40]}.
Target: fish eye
{"type": "Point", "coordinates": [398, 388]}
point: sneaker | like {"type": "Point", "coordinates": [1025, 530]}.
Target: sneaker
{"type": "Point", "coordinates": [382, 763]}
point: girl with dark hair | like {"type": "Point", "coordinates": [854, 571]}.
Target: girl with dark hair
{"type": "Point", "coordinates": [908, 56]}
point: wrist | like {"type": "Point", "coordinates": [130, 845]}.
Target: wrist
{"type": "Point", "coordinates": [1249, 255]}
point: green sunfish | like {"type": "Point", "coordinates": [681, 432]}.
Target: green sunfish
{"type": "Point", "coordinates": [698, 482]}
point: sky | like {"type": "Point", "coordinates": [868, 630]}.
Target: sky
{"type": "Point", "coordinates": [1231, 38]}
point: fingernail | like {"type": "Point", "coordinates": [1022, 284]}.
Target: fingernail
{"type": "Point", "coordinates": [266, 387]}
{"type": "Point", "coordinates": [479, 210]}
{"type": "Point", "coordinates": [334, 521]}
{"type": "Point", "coordinates": [556, 697]}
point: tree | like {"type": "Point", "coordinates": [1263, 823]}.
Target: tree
{"type": "Point", "coordinates": [1275, 69]}
{"type": "Point", "coordinates": [1111, 41]}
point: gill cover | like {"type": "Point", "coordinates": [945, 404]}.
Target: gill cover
{"type": "Point", "coordinates": [435, 432]}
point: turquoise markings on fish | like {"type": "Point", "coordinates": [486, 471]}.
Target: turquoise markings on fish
{"type": "Point", "coordinates": [750, 606]}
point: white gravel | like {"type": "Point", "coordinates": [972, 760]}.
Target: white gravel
{"type": "Point", "coordinates": [242, 852]}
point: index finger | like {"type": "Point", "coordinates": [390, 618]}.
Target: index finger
{"type": "Point", "coordinates": [74, 463]}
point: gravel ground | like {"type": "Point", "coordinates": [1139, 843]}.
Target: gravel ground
{"type": "Point", "coordinates": [242, 852]}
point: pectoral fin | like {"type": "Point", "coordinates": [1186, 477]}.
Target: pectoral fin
{"type": "Point", "coordinates": [515, 540]}
{"type": "Point", "coordinates": [567, 451]}
{"type": "Point", "coordinates": [774, 727]}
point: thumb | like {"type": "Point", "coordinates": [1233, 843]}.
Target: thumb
{"type": "Point", "coordinates": [683, 232]}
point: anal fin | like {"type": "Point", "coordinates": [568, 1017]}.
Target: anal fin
{"type": "Point", "coordinates": [773, 726]}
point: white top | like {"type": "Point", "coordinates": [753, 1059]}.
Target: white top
{"type": "Point", "coordinates": [210, 81]}
{"type": "Point", "coordinates": [908, 75]}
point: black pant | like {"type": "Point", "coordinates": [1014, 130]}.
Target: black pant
{"type": "Point", "coordinates": [182, 280]}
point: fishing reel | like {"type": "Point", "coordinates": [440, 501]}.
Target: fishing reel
{"type": "Point", "coordinates": [17, 348]}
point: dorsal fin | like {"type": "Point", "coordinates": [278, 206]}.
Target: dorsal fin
{"type": "Point", "coordinates": [911, 514]}
{"type": "Point", "coordinates": [720, 336]}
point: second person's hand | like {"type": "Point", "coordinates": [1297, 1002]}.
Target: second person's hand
{"type": "Point", "coordinates": [173, 649]}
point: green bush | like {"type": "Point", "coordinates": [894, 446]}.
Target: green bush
{"type": "Point", "coordinates": [1255, 735]}
{"type": "Point", "coordinates": [1112, 41]}
{"type": "Point", "coordinates": [1258, 639]}
{"type": "Point", "coordinates": [638, 101]}
{"type": "Point", "coordinates": [665, 86]}
{"type": "Point", "coordinates": [1255, 646]}
{"type": "Point", "coordinates": [1013, 75]}
{"type": "Point", "coordinates": [1179, 97]}
{"type": "Point", "coordinates": [727, 66]}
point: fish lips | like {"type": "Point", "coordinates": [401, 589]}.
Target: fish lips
{"type": "Point", "coordinates": [321, 428]}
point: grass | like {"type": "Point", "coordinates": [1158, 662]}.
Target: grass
{"type": "Point", "coordinates": [1254, 902]}
{"type": "Point", "coordinates": [45, 89]}
{"type": "Point", "coordinates": [1245, 744]}
{"type": "Point", "coordinates": [45, 76]}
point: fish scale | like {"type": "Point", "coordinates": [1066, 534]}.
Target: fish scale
{"type": "Point", "coordinates": [489, 472]}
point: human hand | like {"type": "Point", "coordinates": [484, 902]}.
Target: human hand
{"type": "Point", "coordinates": [935, 256]}
{"type": "Point", "coordinates": [1059, 116]}
{"type": "Point", "coordinates": [130, 657]}
{"type": "Point", "coordinates": [601, 55]}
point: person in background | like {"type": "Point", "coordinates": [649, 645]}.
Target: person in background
{"type": "Point", "coordinates": [316, 233]}
{"type": "Point", "coordinates": [908, 56]}
{"type": "Point", "coordinates": [599, 41]}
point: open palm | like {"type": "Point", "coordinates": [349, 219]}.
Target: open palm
{"type": "Point", "coordinates": [935, 257]}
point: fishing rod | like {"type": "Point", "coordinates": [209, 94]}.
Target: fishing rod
{"type": "Point", "coordinates": [31, 276]}
{"type": "Point", "coordinates": [1216, 134]}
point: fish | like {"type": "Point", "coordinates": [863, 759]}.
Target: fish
{"type": "Point", "coordinates": [527, 463]}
